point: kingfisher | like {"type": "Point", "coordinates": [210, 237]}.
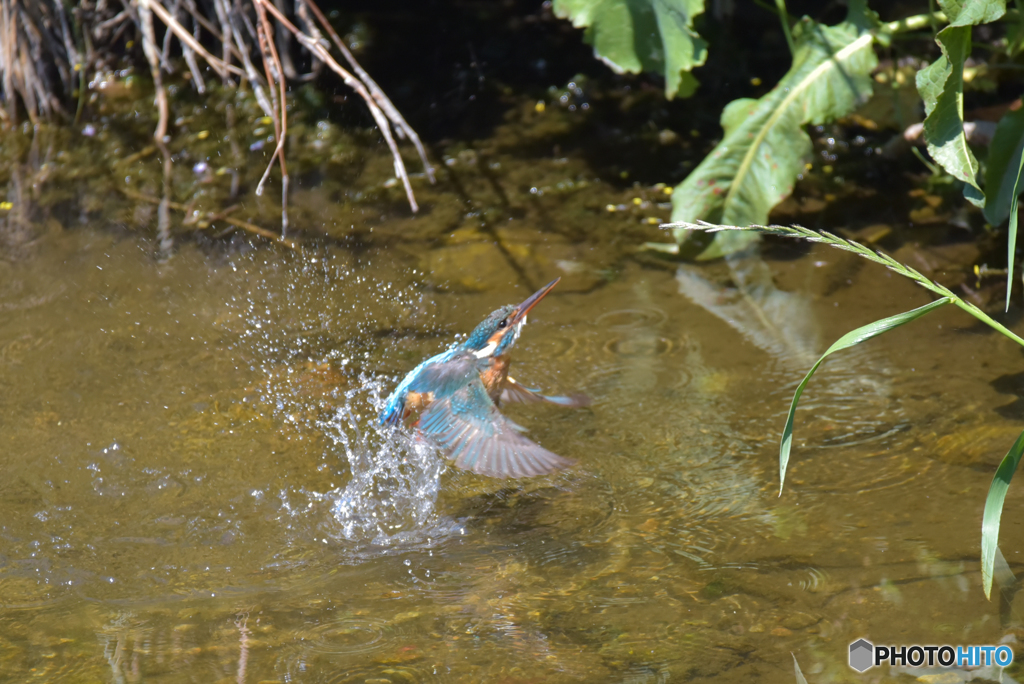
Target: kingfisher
{"type": "Point", "coordinates": [457, 393]}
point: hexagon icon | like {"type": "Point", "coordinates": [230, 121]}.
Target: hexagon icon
{"type": "Point", "coordinates": [862, 655]}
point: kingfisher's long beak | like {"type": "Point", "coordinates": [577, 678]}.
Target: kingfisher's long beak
{"type": "Point", "coordinates": [516, 321]}
{"type": "Point", "coordinates": [519, 315]}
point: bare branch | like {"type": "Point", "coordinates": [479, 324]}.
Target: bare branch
{"type": "Point", "coordinates": [267, 46]}
{"type": "Point", "coordinates": [401, 127]}
{"type": "Point", "coordinates": [355, 84]}
{"type": "Point", "coordinates": [163, 221]}
{"type": "Point", "coordinates": [186, 37]}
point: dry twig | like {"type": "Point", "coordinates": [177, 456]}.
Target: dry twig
{"type": "Point", "coordinates": [275, 75]}
{"type": "Point", "coordinates": [403, 129]}
{"type": "Point", "coordinates": [163, 219]}
{"type": "Point", "coordinates": [317, 48]}
{"type": "Point", "coordinates": [39, 46]}
{"type": "Point", "coordinates": [210, 218]}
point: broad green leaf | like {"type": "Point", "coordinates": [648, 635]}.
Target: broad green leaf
{"type": "Point", "coordinates": [756, 164]}
{"type": "Point", "coordinates": [1002, 182]}
{"type": "Point", "coordinates": [643, 35]}
{"type": "Point", "coordinates": [968, 12]}
{"type": "Point", "coordinates": [994, 510]}
{"type": "Point", "coordinates": [941, 86]}
{"type": "Point", "coordinates": [845, 342]}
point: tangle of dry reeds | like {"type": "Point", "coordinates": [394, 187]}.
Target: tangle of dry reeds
{"type": "Point", "coordinates": [47, 50]}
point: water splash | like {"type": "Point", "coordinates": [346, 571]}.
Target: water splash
{"type": "Point", "coordinates": [392, 495]}
{"type": "Point", "coordinates": [317, 329]}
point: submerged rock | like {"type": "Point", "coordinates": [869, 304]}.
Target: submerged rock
{"type": "Point", "coordinates": [470, 267]}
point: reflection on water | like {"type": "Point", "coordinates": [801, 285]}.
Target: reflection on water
{"type": "Point", "coordinates": [196, 489]}
{"type": "Point", "coordinates": [844, 406]}
{"type": "Point", "coordinates": [778, 322]}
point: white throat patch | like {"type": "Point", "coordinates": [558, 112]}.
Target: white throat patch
{"type": "Point", "coordinates": [486, 351]}
{"type": "Point", "coordinates": [493, 346]}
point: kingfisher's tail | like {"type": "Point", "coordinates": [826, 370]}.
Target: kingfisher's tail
{"type": "Point", "coordinates": [513, 391]}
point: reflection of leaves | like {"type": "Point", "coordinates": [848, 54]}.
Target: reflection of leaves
{"type": "Point", "coordinates": [787, 522]}
{"type": "Point", "coordinates": [777, 322]}
{"type": "Point", "coordinates": [643, 35]}
{"type": "Point", "coordinates": [756, 164]}
{"type": "Point", "coordinates": [800, 679]}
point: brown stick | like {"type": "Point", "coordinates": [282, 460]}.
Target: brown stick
{"type": "Point", "coordinates": [185, 37]}
{"type": "Point", "coordinates": [219, 216]}
{"type": "Point", "coordinates": [266, 38]}
{"type": "Point", "coordinates": [356, 85]}
{"type": "Point", "coordinates": [379, 97]}
{"type": "Point", "coordinates": [226, 45]}
{"type": "Point", "coordinates": [250, 70]}
{"type": "Point", "coordinates": [163, 219]}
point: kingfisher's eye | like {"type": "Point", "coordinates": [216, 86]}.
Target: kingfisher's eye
{"type": "Point", "coordinates": [503, 323]}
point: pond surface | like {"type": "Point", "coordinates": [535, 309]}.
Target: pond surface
{"type": "Point", "coordinates": [194, 487]}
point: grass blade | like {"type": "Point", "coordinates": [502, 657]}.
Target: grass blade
{"type": "Point", "coordinates": [860, 250]}
{"type": "Point", "coordinates": [994, 510]}
{"type": "Point", "coordinates": [800, 679]}
{"type": "Point", "coordinates": [848, 340]}
{"type": "Point", "coordinates": [1011, 237]}
{"type": "Point", "coordinates": [1008, 466]}
{"type": "Point", "coordinates": [1001, 165]}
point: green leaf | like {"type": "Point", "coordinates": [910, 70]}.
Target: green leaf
{"type": "Point", "coordinates": [1011, 236]}
{"type": "Point", "coordinates": [941, 86]}
{"type": "Point", "coordinates": [1000, 168]}
{"type": "Point", "coordinates": [1002, 182]}
{"type": "Point", "coordinates": [994, 510]}
{"type": "Point", "coordinates": [968, 12]}
{"type": "Point", "coordinates": [845, 342]}
{"type": "Point", "coordinates": [643, 35]}
{"type": "Point", "coordinates": [756, 164]}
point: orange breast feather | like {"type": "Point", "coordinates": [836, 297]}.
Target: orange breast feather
{"type": "Point", "coordinates": [416, 402]}
{"type": "Point", "coordinates": [494, 377]}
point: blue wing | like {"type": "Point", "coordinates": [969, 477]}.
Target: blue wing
{"type": "Point", "coordinates": [394, 407]}
{"type": "Point", "coordinates": [513, 391]}
{"type": "Point", "coordinates": [467, 424]}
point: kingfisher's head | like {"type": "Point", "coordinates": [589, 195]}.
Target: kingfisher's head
{"type": "Point", "coordinates": [500, 330]}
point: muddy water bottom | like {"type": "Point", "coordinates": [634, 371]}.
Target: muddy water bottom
{"type": "Point", "coordinates": [194, 487]}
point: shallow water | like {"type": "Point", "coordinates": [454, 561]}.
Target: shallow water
{"type": "Point", "coordinates": [195, 489]}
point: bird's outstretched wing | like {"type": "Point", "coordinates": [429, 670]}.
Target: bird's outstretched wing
{"type": "Point", "coordinates": [396, 407]}
{"type": "Point", "coordinates": [513, 391]}
{"type": "Point", "coordinates": [467, 424]}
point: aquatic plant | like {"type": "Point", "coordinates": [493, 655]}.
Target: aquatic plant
{"type": "Point", "coordinates": [643, 35]}
{"type": "Point", "coordinates": [764, 146]}
{"type": "Point", "coordinates": [1007, 467]}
